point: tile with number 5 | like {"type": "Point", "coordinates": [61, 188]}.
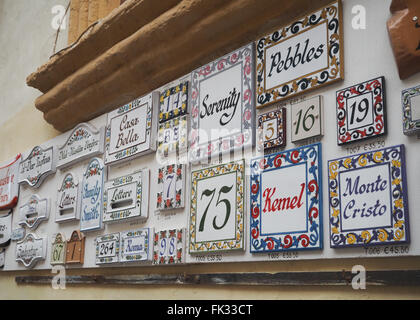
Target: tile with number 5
{"type": "Point", "coordinates": [307, 119]}
{"type": "Point", "coordinates": [272, 127]}
{"type": "Point", "coordinates": [361, 111]}
{"type": "Point", "coordinates": [217, 208]}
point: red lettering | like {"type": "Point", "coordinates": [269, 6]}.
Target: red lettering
{"type": "Point", "coordinates": [279, 204]}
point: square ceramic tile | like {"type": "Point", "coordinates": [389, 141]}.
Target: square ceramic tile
{"type": "Point", "coordinates": [361, 111]}
{"type": "Point", "coordinates": [173, 102]}
{"type": "Point", "coordinates": [272, 127]}
{"type": "Point", "coordinates": [169, 246]}
{"type": "Point", "coordinates": [411, 110]}
{"type": "Point", "coordinates": [301, 56]}
{"type": "Point", "coordinates": [307, 119]}
{"type": "Point", "coordinates": [287, 215]}
{"type": "Point", "coordinates": [368, 198]}
{"type": "Point", "coordinates": [217, 208]}
{"type": "Point", "coordinates": [222, 105]}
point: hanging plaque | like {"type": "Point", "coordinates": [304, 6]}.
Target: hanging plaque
{"type": "Point", "coordinates": [135, 245]}
{"type": "Point", "coordinates": [368, 199]}
{"type": "Point", "coordinates": [217, 208]}
{"type": "Point", "coordinates": [31, 250]}
{"type": "Point", "coordinates": [58, 250]}
{"type": "Point", "coordinates": [222, 105]}
{"type": "Point", "coordinates": [68, 205]}
{"type": "Point", "coordinates": [91, 208]}
{"type": "Point", "coordinates": [33, 212]}
{"type": "Point", "coordinates": [39, 164]}
{"type": "Point", "coordinates": [302, 56]}
{"type": "Point", "coordinates": [286, 200]}
{"type": "Point", "coordinates": [83, 142]}
{"type": "Point", "coordinates": [108, 248]}
{"type": "Point", "coordinates": [127, 197]}
{"type": "Point", "coordinates": [5, 229]}
{"type": "Point", "coordinates": [9, 187]}
{"type": "Point", "coordinates": [75, 248]}
{"type": "Point", "coordinates": [131, 129]}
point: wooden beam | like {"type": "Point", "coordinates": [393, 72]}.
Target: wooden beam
{"type": "Point", "coordinates": [328, 278]}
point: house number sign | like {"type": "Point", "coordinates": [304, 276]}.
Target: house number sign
{"type": "Point", "coordinates": [169, 246]}
{"type": "Point", "coordinates": [135, 245]}
{"type": "Point", "coordinates": [411, 110]}
{"type": "Point", "coordinates": [9, 187]}
{"type": "Point", "coordinates": [171, 185]}
{"type": "Point", "coordinates": [286, 215]}
{"type": "Point", "coordinates": [217, 208]}
{"type": "Point", "coordinates": [31, 250]}
{"type": "Point", "coordinates": [68, 204]}
{"type": "Point", "coordinates": [33, 212]}
{"type": "Point", "coordinates": [173, 102]}
{"type": "Point", "coordinates": [361, 111]}
{"type": "Point", "coordinates": [75, 248]}
{"type": "Point", "coordinates": [5, 229]}
{"type": "Point", "coordinates": [222, 105]}
{"type": "Point", "coordinates": [58, 250]}
{"type": "Point", "coordinates": [302, 56]}
{"type": "Point", "coordinates": [173, 136]}
{"type": "Point", "coordinates": [83, 142]}
{"type": "Point", "coordinates": [127, 197]}
{"type": "Point", "coordinates": [108, 248]}
{"type": "Point", "coordinates": [368, 199]}
{"type": "Point", "coordinates": [91, 207]}
{"type": "Point", "coordinates": [131, 129]}
{"type": "Point", "coordinates": [39, 164]}
{"type": "Point", "coordinates": [272, 127]}
{"type": "Point", "coordinates": [307, 119]}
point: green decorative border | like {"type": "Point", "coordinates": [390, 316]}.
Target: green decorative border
{"type": "Point", "coordinates": [208, 173]}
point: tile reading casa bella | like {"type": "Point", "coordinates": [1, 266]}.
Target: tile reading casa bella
{"type": "Point", "coordinates": [83, 142]}
{"type": "Point", "coordinates": [131, 129]}
{"type": "Point", "coordinates": [368, 198]}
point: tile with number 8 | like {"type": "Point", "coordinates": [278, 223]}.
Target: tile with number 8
{"type": "Point", "coordinates": [169, 246]}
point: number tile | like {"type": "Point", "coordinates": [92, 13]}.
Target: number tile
{"type": "Point", "coordinates": [307, 119]}
{"type": "Point", "coordinates": [272, 128]}
{"type": "Point", "coordinates": [107, 248]}
{"type": "Point", "coordinates": [169, 246]}
{"type": "Point", "coordinates": [171, 185]}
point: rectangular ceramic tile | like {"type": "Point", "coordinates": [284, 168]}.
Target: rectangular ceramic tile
{"type": "Point", "coordinates": [361, 111]}
{"type": "Point", "coordinates": [58, 249]}
{"type": "Point", "coordinates": [135, 245]}
{"type": "Point", "coordinates": [307, 119]}
{"type": "Point", "coordinates": [31, 250]}
{"type": "Point", "coordinates": [272, 128]}
{"type": "Point", "coordinates": [222, 105]}
{"type": "Point", "coordinates": [9, 187]}
{"type": "Point", "coordinates": [75, 248]}
{"type": "Point", "coordinates": [217, 208]}
{"type": "Point", "coordinates": [131, 129]}
{"type": "Point", "coordinates": [5, 229]}
{"type": "Point", "coordinates": [91, 204]}
{"type": "Point", "coordinates": [169, 246]}
{"type": "Point", "coordinates": [68, 200]}
{"type": "Point", "coordinates": [368, 198]}
{"type": "Point", "coordinates": [411, 110]}
{"type": "Point", "coordinates": [173, 102]}
{"type": "Point", "coordinates": [34, 211]}
{"type": "Point", "coordinates": [304, 55]}
{"type": "Point", "coordinates": [287, 215]}
{"type": "Point", "coordinates": [37, 166]}
{"type": "Point", "coordinates": [127, 197]}
{"type": "Point", "coordinates": [171, 185]}
{"type": "Point", "coordinates": [173, 136]}
{"type": "Point", "coordinates": [107, 248]}
{"type": "Point", "coordinates": [83, 142]}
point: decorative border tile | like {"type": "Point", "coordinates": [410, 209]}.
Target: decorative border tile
{"type": "Point", "coordinates": [280, 140]}
{"type": "Point", "coordinates": [311, 157]}
{"type": "Point", "coordinates": [410, 125]}
{"type": "Point", "coordinates": [174, 238]}
{"type": "Point", "coordinates": [178, 202]}
{"type": "Point", "coordinates": [180, 125]}
{"type": "Point", "coordinates": [236, 243]}
{"type": "Point", "coordinates": [101, 254]}
{"type": "Point", "coordinates": [245, 138]}
{"type": "Point", "coordinates": [331, 15]}
{"type": "Point", "coordinates": [376, 87]}
{"type": "Point", "coordinates": [180, 89]}
{"type": "Point", "coordinates": [398, 232]}
{"type": "Point", "coordinates": [140, 251]}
